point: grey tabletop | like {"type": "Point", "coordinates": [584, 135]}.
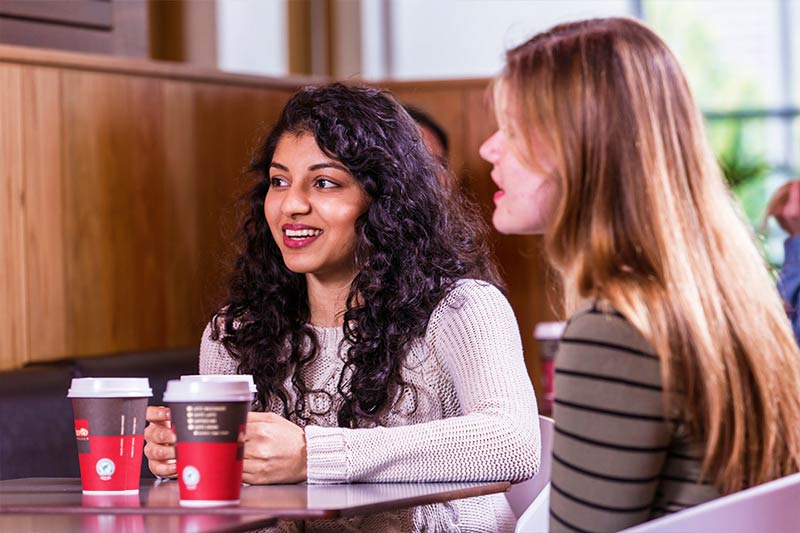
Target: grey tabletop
{"type": "Point", "coordinates": [38, 496]}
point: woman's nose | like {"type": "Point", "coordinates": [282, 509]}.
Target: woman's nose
{"type": "Point", "coordinates": [489, 149]}
{"type": "Point", "coordinates": [295, 202]}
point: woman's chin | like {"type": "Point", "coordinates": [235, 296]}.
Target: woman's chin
{"type": "Point", "coordinates": [513, 227]}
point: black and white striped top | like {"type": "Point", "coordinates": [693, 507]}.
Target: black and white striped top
{"type": "Point", "coordinates": [616, 461]}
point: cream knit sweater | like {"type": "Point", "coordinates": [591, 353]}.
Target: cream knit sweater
{"type": "Point", "coordinates": [473, 417]}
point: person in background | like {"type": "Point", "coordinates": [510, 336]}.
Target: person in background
{"type": "Point", "coordinates": [785, 207]}
{"type": "Point", "coordinates": [438, 144]}
{"type": "Point", "coordinates": [366, 310]}
{"type": "Point", "coordinates": [677, 376]}
{"type": "Point", "coordinates": [432, 133]}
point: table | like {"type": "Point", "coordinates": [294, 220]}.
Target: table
{"type": "Point", "coordinates": [156, 507]}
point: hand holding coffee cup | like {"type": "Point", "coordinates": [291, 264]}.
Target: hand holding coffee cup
{"type": "Point", "coordinates": [209, 419]}
{"type": "Point", "coordinates": [275, 450]}
{"type": "Point", "coordinates": [160, 447]}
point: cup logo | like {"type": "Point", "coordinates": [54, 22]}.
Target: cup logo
{"type": "Point", "coordinates": [82, 429]}
{"type": "Point", "coordinates": [190, 477]}
{"type": "Point", "coordinates": [105, 468]}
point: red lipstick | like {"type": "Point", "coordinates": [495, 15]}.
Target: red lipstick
{"type": "Point", "coordinates": [299, 235]}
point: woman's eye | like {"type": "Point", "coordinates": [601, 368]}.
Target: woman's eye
{"type": "Point", "coordinates": [277, 182]}
{"type": "Point", "coordinates": [325, 183]}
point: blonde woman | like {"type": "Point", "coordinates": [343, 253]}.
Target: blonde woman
{"type": "Point", "coordinates": [678, 378]}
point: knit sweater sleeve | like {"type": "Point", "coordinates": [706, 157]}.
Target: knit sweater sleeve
{"type": "Point", "coordinates": [495, 434]}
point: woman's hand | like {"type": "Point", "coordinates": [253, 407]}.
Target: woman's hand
{"type": "Point", "coordinates": [785, 207]}
{"type": "Point", "coordinates": [789, 215]}
{"type": "Point", "coordinates": [160, 447]}
{"type": "Point", "coordinates": [275, 450]}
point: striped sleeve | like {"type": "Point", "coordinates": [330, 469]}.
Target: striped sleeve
{"type": "Point", "coordinates": [611, 439]}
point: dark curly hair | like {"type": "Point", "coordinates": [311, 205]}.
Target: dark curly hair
{"type": "Point", "coordinates": [413, 243]}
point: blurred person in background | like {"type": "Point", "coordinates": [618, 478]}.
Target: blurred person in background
{"type": "Point", "coordinates": [438, 143]}
{"type": "Point", "coordinates": [785, 207]}
{"type": "Point", "coordinates": [677, 377]}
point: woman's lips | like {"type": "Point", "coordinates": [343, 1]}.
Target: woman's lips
{"type": "Point", "coordinates": [299, 235]}
{"type": "Point", "coordinates": [290, 242]}
{"type": "Point", "coordinates": [498, 195]}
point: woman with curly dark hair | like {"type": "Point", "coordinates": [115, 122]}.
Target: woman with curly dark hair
{"type": "Point", "coordinates": [366, 311]}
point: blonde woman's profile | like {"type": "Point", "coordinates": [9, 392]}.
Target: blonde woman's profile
{"type": "Point", "coordinates": [677, 377]}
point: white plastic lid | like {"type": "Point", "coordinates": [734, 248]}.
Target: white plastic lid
{"type": "Point", "coordinates": [247, 378]}
{"type": "Point", "coordinates": [549, 330]}
{"type": "Point", "coordinates": [110, 388]}
{"type": "Point", "coordinates": [207, 391]}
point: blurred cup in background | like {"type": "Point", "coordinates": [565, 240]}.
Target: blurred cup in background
{"type": "Point", "coordinates": [548, 334]}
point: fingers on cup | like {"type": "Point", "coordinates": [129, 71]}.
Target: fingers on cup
{"type": "Point", "coordinates": [163, 469]}
{"type": "Point", "coordinates": [157, 452]}
{"type": "Point", "coordinates": [159, 435]}
{"type": "Point", "coordinates": [156, 413]}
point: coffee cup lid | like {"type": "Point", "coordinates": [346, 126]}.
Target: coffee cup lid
{"type": "Point", "coordinates": [549, 330]}
{"type": "Point", "coordinates": [207, 391]}
{"type": "Point", "coordinates": [110, 388]}
{"type": "Point", "coordinates": [246, 378]}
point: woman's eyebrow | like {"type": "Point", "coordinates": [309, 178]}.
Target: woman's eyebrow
{"type": "Point", "coordinates": [328, 164]}
{"type": "Point", "coordinates": [317, 166]}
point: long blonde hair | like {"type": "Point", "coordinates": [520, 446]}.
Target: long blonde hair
{"type": "Point", "coordinates": [646, 222]}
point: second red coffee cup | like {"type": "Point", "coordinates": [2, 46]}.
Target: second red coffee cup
{"type": "Point", "coordinates": [209, 420]}
{"type": "Point", "coordinates": [109, 428]}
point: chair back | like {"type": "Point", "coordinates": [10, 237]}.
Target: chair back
{"type": "Point", "coordinates": [770, 506]}
{"type": "Point", "coordinates": [522, 494]}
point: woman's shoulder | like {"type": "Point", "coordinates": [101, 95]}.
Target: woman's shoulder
{"type": "Point", "coordinates": [599, 340]}
{"type": "Point", "coordinates": [470, 302]}
{"type": "Point", "coordinates": [469, 295]}
{"type": "Point", "coordinates": [599, 322]}
{"type": "Point", "coordinates": [469, 291]}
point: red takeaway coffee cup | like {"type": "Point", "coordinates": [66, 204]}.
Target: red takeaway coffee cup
{"type": "Point", "coordinates": [247, 378]}
{"type": "Point", "coordinates": [109, 428]}
{"type": "Point", "coordinates": [209, 419]}
{"type": "Point", "coordinates": [548, 334]}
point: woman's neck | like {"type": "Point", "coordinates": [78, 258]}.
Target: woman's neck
{"type": "Point", "coordinates": [327, 301]}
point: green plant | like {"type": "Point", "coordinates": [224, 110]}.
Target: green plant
{"type": "Point", "coordinates": [737, 165]}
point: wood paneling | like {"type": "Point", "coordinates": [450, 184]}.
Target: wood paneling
{"type": "Point", "coordinates": [44, 214]}
{"type": "Point", "coordinates": [115, 210]}
{"type": "Point", "coordinates": [13, 341]}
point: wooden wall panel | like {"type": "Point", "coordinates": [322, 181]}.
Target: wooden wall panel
{"type": "Point", "coordinates": [14, 340]}
{"type": "Point", "coordinates": [44, 213]}
{"type": "Point", "coordinates": [115, 209]}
